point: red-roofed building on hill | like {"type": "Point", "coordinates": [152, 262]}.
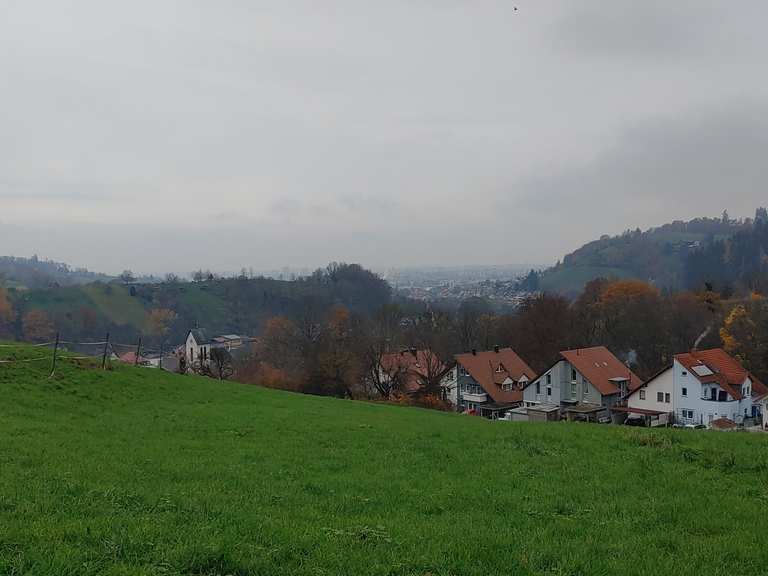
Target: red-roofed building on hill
{"type": "Point", "coordinates": [586, 383]}
{"type": "Point", "coordinates": [488, 383]}
{"type": "Point", "coordinates": [409, 371]}
{"type": "Point", "coordinates": [701, 387]}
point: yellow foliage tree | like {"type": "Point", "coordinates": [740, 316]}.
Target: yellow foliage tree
{"type": "Point", "coordinates": [738, 333]}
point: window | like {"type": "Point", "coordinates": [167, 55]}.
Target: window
{"type": "Point", "coordinates": [586, 388]}
{"type": "Point", "coordinates": [688, 414]}
{"type": "Point", "coordinates": [685, 373]}
{"type": "Point", "coordinates": [464, 371]}
{"type": "Point", "coordinates": [573, 389]}
{"type": "Point", "coordinates": [659, 396]}
{"type": "Point", "coordinates": [549, 378]}
{"type": "Point", "coordinates": [573, 374]}
{"type": "Point", "coordinates": [642, 394]}
{"type": "Point", "coordinates": [666, 397]}
{"type": "Point", "coordinates": [538, 388]}
{"type": "Point", "coordinates": [685, 391]}
{"type": "Point", "coordinates": [549, 390]}
{"type": "Point", "coordinates": [499, 369]}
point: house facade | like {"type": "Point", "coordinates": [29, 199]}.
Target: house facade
{"type": "Point", "coordinates": [197, 347]}
{"type": "Point", "coordinates": [488, 383]}
{"type": "Point", "coordinates": [701, 387]}
{"type": "Point", "coordinates": [586, 383]}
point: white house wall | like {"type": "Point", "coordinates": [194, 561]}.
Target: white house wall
{"type": "Point", "coordinates": [663, 383]}
{"type": "Point", "coordinates": [704, 411]}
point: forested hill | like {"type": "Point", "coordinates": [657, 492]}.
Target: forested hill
{"type": "Point", "coordinates": [165, 311]}
{"type": "Point", "coordinates": [729, 254]}
{"type": "Point", "coordinates": [38, 273]}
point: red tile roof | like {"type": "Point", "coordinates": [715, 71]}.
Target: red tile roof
{"type": "Point", "coordinates": [483, 366]}
{"type": "Point", "coordinates": [414, 363]}
{"type": "Point", "coordinates": [729, 374]}
{"type": "Point", "coordinates": [724, 424]}
{"type": "Point", "coordinates": [130, 358]}
{"type": "Point", "coordinates": [599, 366]}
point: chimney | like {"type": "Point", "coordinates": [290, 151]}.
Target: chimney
{"type": "Point", "coordinates": [496, 348]}
{"type": "Point", "coordinates": [474, 351]}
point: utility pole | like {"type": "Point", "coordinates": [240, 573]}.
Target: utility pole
{"type": "Point", "coordinates": [138, 351]}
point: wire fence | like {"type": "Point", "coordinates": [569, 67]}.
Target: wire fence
{"type": "Point", "coordinates": [106, 350]}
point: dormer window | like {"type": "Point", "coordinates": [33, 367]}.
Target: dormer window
{"type": "Point", "coordinates": [500, 369]}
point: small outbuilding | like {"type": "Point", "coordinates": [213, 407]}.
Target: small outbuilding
{"type": "Point", "coordinates": [544, 413]}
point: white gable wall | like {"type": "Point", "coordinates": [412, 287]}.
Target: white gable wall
{"type": "Point", "coordinates": [193, 351]}
{"type": "Point", "coordinates": [663, 384]}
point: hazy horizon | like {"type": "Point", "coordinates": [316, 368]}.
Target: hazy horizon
{"type": "Point", "coordinates": [174, 135]}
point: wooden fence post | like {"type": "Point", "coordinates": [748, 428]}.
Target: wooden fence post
{"type": "Point", "coordinates": [138, 352]}
{"type": "Point", "coordinates": [55, 353]}
{"type": "Point", "coordinates": [104, 356]}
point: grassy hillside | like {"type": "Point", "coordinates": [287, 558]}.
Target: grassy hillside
{"type": "Point", "coordinates": [133, 471]}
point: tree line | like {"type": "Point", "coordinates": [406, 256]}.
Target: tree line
{"type": "Point", "coordinates": [339, 353]}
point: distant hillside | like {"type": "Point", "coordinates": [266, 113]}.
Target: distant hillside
{"type": "Point", "coordinates": [36, 273]}
{"type": "Point", "coordinates": [165, 311]}
{"type": "Point", "coordinates": [665, 256]}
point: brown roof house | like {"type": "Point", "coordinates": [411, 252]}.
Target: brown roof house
{"type": "Point", "coordinates": [703, 387]}
{"type": "Point", "coordinates": [585, 383]}
{"type": "Point", "coordinates": [488, 383]}
{"type": "Point", "coordinates": [408, 371]}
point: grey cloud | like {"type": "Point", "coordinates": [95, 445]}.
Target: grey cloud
{"type": "Point", "coordinates": [628, 27]}
{"type": "Point", "coordinates": [698, 164]}
{"type": "Point", "coordinates": [659, 32]}
{"type": "Point", "coordinates": [58, 190]}
{"type": "Point", "coordinates": [303, 127]}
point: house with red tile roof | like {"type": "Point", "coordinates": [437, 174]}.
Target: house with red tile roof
{"type": "Point", "coordinates": [488, 383]}
{"type": "Point", "coordinates": [700, 388]}
{"type": "Point", "coordinates": [585, 383]}
{"type": "Point", "coordinates": [408, 370]}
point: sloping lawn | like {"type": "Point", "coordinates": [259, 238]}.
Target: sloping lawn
{"type": "Point", "coordinates": [133, 471]}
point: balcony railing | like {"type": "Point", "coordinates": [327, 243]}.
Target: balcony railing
{"type": "Point", "coordinates": [474, 397]}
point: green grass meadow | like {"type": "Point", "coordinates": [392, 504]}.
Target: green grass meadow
{"type": "Point", "coordinates": [134, 471]}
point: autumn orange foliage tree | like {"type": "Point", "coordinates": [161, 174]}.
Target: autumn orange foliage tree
{"type": "Point", "coordinates": [7, 314]}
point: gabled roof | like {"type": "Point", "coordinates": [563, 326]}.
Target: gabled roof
{"type": "Point", "coordinates": [724, 424]}
{"type": "Point", "coordinates": [602, 369]}
{"type": "Point", "coordinates": [727, 372]}
{"type": "Point", "coordinates": [483, 366]}
{"type": "Point", "coordinates": [130, 358]}
{"type": "Point", "coordinates": [200, 336]}
{"type": "Point", "coordinates": [414, 363]}
{"type": "Point", "coordinates": [651, 379]}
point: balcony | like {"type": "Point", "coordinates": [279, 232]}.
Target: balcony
{"type": "Point", "coordinates": [474, 397]}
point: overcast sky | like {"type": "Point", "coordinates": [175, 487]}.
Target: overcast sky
{"type": "Point", "coordinates": [165, 135]}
